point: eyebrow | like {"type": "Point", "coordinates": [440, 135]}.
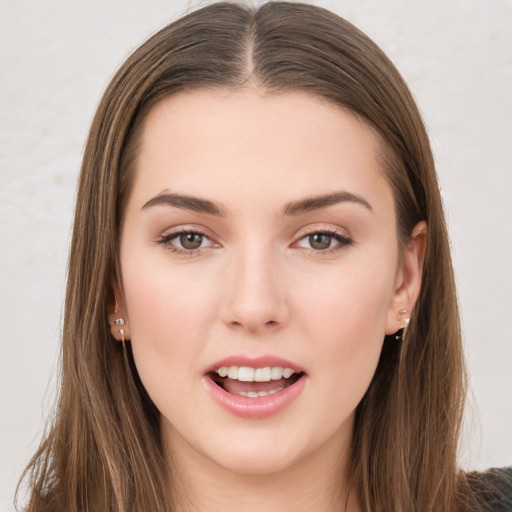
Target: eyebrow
{"type": "Point", "coordinates": [293, 208]}
{"type": "Point", "coordinates": [185, 202]}
{"type": "Point", "coordinates": [323, 201]}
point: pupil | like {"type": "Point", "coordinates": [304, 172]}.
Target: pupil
{"type": "Point", "coordinates": [320, 241]}
{"type": "Point", "coordinates": [191, 240]}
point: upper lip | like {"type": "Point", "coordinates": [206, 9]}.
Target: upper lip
{"type": "Point", "coordinates": [255, 362]}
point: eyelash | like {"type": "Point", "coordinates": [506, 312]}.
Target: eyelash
{"type": "Point", "coordinates": [165, 240]}
{"type": "Point", "coordinates": [343, 241]}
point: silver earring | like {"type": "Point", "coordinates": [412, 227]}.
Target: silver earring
{"type": "Point", "coordinates": [400, 335]}
{"type": "Point", "coordinates": [119, 321]}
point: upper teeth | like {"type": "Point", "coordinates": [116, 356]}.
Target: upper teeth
{"type": "Point", "coordinates": [248, 374]}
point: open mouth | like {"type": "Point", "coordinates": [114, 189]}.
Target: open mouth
{"type": "Point", "coordinates": [254, 382]}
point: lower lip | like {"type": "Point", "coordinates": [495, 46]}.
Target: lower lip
{"type": "Point", "coordinates": [258, 407]}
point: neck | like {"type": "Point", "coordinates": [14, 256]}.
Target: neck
{"type": "Point", "coordinates": [316, 482]}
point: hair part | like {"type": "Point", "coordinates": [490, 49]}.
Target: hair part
{"type": "Point", "coordinates": [103, 451]}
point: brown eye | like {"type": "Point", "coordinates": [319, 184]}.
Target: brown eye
{"type": "Point", "coordinates": [191, 241]}
{"type": "Point", "coordinates": [186, 243]}
{"type": "Point", "coordinates": [324, 242]}
{"type": "Point", "coordinates": [320, 241]}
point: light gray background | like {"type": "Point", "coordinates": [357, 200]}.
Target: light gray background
{"type": "Point", "coordinates": [56, 58]}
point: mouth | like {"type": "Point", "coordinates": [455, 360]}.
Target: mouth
{"type": "Point", "coordinates": [253, 382]}
{"type": "Point", "coordinates": [255, 387]}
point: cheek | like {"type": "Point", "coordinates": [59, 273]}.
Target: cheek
{"type": "Point", "coordinates": [164, 299]}
{"type": "Point", "coordinates": [169, 316]}
{"type": "Point", "coordinates": [353, 300]}
{"type": "Point", "coordinates": [344, 314]}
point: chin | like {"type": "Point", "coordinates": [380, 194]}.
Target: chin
{"type": "Point", "coordinates": [247, 462]}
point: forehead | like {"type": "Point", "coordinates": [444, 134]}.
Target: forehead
{"type": "Point", "coordinates": [219, 141]}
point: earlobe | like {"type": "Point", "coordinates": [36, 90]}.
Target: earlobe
{"type": "Point", "coordinates": [117, 316]}
{"type": "Point", "coordinates": [408, 283]}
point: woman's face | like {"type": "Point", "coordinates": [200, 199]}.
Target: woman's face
{"type": "Point", "coordinates": [259, 239]}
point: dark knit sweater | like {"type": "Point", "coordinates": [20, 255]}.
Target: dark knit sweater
{"type": "Point", "coordinates": [493, 489]}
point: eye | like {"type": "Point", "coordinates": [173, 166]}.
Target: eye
{"type": "Point", "coordinates": [324, 241]}
{"type": "Point", "coordinates": [186, 242]}
{"type": "Point", "coordinates": [320, 241]}
{"type": "Point", "coordinates": [190, 240]}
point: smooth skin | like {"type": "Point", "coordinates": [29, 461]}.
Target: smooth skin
{"type": "Point", "coordinates": [256, 271]}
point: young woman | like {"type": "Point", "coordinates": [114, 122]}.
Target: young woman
{"type": "Point", "coordinates": [260, 311]}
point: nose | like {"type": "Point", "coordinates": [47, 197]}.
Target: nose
{"type": "Point", "coordinates": [255, 294]}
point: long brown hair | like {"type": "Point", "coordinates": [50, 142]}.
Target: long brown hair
{"type": "Point", "coordinates": [103, 450]}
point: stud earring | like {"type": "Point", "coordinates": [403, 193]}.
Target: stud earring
{"type": "Point", "coordinates": [400, 335]}
{"type": "Point", "coordinates": [119, 321]}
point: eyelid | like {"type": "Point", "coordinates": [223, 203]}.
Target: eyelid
{"type": "Point", "coordinates": [172, 233]}
{"type": "Point", "coordinates": [343, 238]}
{"type": "Point", "coordinates": [322, 228]}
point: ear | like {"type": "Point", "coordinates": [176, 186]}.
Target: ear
{"type": "Point", "coordinates": [408, 280]}
{"type": "Point", "coordinates": [117, 315]}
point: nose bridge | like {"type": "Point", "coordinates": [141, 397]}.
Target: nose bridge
{"type": "Point", "coordinates": [255, 298]}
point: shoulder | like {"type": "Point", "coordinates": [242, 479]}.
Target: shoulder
{"type": "Point", "coordinates": [492, 489]}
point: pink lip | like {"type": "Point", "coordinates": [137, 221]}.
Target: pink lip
{"type": "Point", "coordinates": [261, 406]}
{"type": "Point", "coordinates": [255, 408]}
